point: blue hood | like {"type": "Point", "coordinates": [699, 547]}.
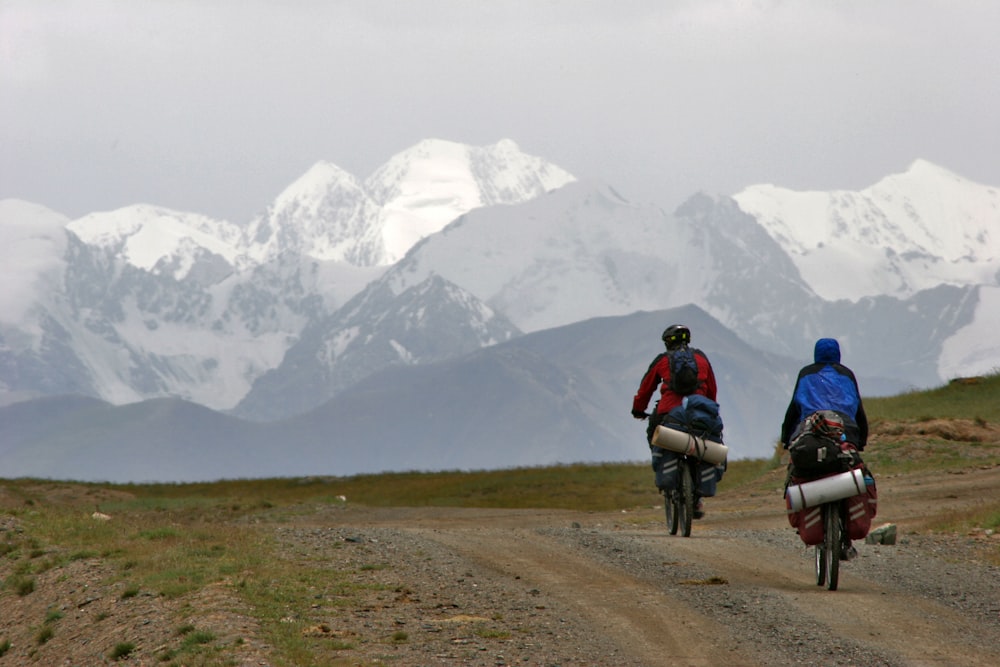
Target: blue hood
{"type": "Point", "coordinates": [827, 351]}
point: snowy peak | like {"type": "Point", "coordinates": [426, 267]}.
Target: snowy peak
{"type": "Point", "coordinates": [328, 215]}
{"type": "Point", "coordinates": [325, 214]}
{"type": "Point", "coordinates": [159, 240]}
{"type": "Point", "coordinates": [427, 186]}
{"type": "Point", "coordinates": [472, 175]}
{"type": "Point", "coordinates": [951, 216]}
{"type": "Point", "coordinates": [906, 233]}
{"type": "Point", "coordinates": [312, 189]}
{"type": "Point", "coordinates": [578, 253]}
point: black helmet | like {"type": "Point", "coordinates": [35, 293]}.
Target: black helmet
{"type": "Point", "coordinates": [676, 335]}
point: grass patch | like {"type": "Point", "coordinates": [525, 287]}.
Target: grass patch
{"type": "Point", "coordinates": [986, 517]}
{"type": "Point", "coordinates": [184, 630]}
{"type": "Point", "coordinates": [20, 584]}
{"type": "Point", "coordinates": [374, 567]}
{"type": "Point", "coordinates": [975, 399]}
{"type": "Point", "coordinates": [44, 635]}
{"type": "Point", "coordinates": [197, 638]}
{"type": "Point", "coordinates": [130, 592]}
{"type": "Point", "coordinates": [930, 454]}
{"type": "Point", "coordinates": [159, 533]}
{"type": "Point", "coordinates": [121, 651]}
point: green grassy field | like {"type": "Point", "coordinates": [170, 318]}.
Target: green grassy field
{"type": "Point", "coordinates": [594, 487]}
{"type": "Point", "coordinates": [973, 398]}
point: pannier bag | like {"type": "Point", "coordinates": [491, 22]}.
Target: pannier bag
{"type": "Point", "coordinates": [711, 475]}
{"type": "Point", "coordinates": [809, 523]}
{"type": "Point", "coordinates": [668, 479]}
{"type": "Point", "coordinates": [861, 509]}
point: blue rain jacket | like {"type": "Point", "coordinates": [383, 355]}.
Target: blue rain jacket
{"type": "Point", "coordinates": [826, 384]}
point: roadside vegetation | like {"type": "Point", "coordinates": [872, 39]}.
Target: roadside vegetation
{"type": "Point", "coordinates": [975, 398]}
{"type": "Point", "coordinates": [174, 540]}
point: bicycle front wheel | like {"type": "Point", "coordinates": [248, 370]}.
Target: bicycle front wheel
{"type": "Point", "coordinates": [670, 507]}
{"type": "Point", "coordinates": [832, 545]}
{"type": "Point", "coordinates": [686, 500]}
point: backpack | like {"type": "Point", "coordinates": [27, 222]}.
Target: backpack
{"type": "Point", "coordinates": [817, 448]}
{"type": "Point", "coordinates": [683, 371]}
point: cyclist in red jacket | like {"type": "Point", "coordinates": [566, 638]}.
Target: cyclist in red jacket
{"type": "Point", "coordinates": [675, 337]}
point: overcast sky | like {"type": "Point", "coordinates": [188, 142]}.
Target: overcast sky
{"type": "Point", "coordinates": [216, 106]}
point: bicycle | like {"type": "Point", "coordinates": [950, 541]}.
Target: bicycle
{"type": "Point", "coordinates": [838, 495]}
{"type": "Point", "coordinates": [679, 503]}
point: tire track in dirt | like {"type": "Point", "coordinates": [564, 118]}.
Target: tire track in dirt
{"type": "Point", "coordinates": [621, 577]}
{"type": "Point", "coordinates": [641, 619]}
{"type": "Point", "coordinates": [919, 630]}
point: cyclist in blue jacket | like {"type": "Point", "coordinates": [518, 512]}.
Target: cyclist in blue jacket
{"type": "Point", "coordinates": [826, 384]}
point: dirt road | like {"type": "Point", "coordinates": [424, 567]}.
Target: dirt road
{"type": "Point", "coordinates": [492, 587]}
{"type": "Point", "coordinates": [446, 586]}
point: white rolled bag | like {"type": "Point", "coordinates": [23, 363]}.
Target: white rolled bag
{"type": "Point", "coordinates": [826, 489]}
{"type": "Point", "coordinates": [684, 443]}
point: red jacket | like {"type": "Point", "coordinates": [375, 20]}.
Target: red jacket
{"type": "Point", "coordinates": [659, 374]}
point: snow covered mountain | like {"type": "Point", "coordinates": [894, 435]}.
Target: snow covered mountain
{"type": "Point", "coordinates": [569, 256]}
{"type": "Point", "coordinates": [164, 242]}
{"type": "Point", "coordinates": [908, 232]}
{"type": "Point", "coordinates": [585, 262]}
{"type": "Point", "coordinates": [147, 302]}
{"type": "Point", "coordinates": [583, 252]}
{"type": "Point", "coordinates": [431, 321]}
{"type": "Point", "coordinates": [328, 214]}
{"type": "Point", "coordinates": [343, 287]}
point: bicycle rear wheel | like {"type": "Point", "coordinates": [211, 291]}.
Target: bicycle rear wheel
{"type": "Point", "coordinates": [832, 545]}
{"type": "Point", "coordinates": [685, 503]}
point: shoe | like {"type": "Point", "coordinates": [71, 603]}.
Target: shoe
{"type": "Point", "coordinates": [848, 552]}
{"type": "Point", "coordinates": [699, 509]}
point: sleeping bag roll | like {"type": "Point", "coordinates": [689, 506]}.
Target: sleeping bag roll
{"type": "Point", "coordinates": [823, 490]}
{"type": "Point", "coordinates": [684, 443]}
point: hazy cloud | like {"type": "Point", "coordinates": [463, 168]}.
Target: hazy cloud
{"type": "Point", "coordinates": [215, 106]}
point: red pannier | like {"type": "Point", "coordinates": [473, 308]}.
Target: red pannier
{"type": "Point", "coordinates": [861, 509]}
{"type": "Point", "coordinates": [809, 523]}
